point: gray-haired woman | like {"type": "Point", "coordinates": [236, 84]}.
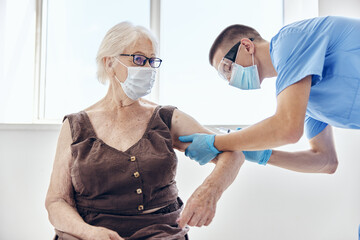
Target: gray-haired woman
{"type": "Point", "coordinates": [114, 168]}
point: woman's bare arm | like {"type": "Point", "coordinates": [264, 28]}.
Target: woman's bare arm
{"type": "Point", "coordinates": [201, 206]}
{"type": "Point", "coordinates": [59, 199]}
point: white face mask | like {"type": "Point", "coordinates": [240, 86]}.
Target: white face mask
{"type": "Point", "coordinates": [139, 81]}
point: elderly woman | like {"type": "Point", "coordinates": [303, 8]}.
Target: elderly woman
{"type": "Point", "coordinates": [114, 168]}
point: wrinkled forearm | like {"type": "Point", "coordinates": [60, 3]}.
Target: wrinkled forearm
{"type": "Point", "coordinates": [201, 206]}
{"type": "Point", "coordinates": [65, 218]}
{"type": "Point", "coordinates": [227, 167]}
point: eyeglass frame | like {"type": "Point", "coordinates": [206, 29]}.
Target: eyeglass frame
{"type": "Point", "coordinates": [231, 56]}
{"type": "Point", "coordinates": [146, 59]}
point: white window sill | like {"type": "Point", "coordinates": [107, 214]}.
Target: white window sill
{"type": "Point", "coordinates": [55, 126]}
{"type": "Point", "coordinates": [30, 126]}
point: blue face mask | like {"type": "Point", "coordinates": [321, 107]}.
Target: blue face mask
{"type": "Point", "coordinates": [245, 78]}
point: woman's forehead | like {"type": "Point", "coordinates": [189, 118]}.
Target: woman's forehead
{"type": "Point", "coordinates": [142, 46]}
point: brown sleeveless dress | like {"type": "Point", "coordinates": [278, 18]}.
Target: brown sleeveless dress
{"type": "Point", "coordinates": [112, 188]}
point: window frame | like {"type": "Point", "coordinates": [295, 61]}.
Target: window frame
{"type": "Point", "coordinates": [40, 62]}
{"type": "Point", "coordinates": [39, 93]}
{"type": "Point", "coordinates": [39, 99]}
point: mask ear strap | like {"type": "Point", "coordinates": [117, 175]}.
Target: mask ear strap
{"type": "Point", "coordinates": [252, 55]}
{"type": "Point", "coordinates": [120, 62]}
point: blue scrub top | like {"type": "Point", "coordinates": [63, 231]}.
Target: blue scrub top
{"type": "Point", "coordinates": [328, 48]}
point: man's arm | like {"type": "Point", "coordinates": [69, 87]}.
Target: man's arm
{"type": "Point", "coordinates": [284, 127]}
{"type": "Point", "coordinates": [201, 206]}
{"type": "Point", "coordinates": [321, 158]}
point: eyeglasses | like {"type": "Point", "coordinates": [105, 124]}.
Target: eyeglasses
{"type": "Point", "coordinates": [225, 67]}
{"type": "Point", "coordinates": [140, 60]}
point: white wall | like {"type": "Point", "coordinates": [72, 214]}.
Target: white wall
{"type": "Point", "coordinates": [262, 203]}
{"type": "Point", "coordinates": [26, 157]}
{"type": "Point", "coordinates": [348, 8]}
{"type": "Point", "coordinates": [295, 10]}
{"type": "Point", "coordinates": [275, 204]}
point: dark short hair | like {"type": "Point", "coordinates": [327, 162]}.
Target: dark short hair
{"type": "Point", "coordinates": [232, 35]}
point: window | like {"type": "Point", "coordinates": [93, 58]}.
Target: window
{"type": "Point", "coordinates": [188, 29]}
{"type": "Point", "coordinates": [75, 30]}
{"type": "Point", "coordinates": [17, 41]}
{"type": "Point", "coordinates": [72, 32]}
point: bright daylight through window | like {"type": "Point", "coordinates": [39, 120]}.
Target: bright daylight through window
{"type": "Point", "coordinates": [73, 31]}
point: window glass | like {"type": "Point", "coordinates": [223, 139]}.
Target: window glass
{"type": "Point", "coordinates": [75, 31]}
{"type": "Point", "coordinates": [17, 44]}
{"type": "Point", "coordinates": [188, 29]}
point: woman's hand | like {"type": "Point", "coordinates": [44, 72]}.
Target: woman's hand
{"type": "Point", "coordinates": [101, 233]}
{"type": "Point", "coordinates": [200, 208]}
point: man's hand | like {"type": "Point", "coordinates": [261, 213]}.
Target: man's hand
{"type": "Point", "coordinates": [200, 207]}
{"type": "Point", "coordinates": [202, 147]}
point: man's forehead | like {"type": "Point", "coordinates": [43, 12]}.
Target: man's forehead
{"type": "Point", "coordinates": [221, 52]}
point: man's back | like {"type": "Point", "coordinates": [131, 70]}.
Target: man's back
{"type": "Point", "coordinates": [328, 48]}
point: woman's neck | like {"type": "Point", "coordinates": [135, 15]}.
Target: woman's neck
{"type": "Point", "coordinates": [117, 99]}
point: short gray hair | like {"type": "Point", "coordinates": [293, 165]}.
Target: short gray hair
{"type": "Point", "coordinates": [116, 40]}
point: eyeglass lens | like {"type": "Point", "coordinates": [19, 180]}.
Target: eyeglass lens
{"type": "Point", "coordinates": [141, 60]}
{"type": "Point", "coordinates": [225, 69]}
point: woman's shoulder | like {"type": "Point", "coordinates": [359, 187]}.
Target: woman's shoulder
{"type": "Point", "coordinates": [94, 107]}
{"type": "Point", "coordinates": [148, 103]}
{"type": "Point", "coordinates": [160, 107]}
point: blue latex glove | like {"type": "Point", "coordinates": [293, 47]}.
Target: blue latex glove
{"type": "Point", "coordinates": [260, 157]}
{"type": "Point", "coordinates": [202, 148]}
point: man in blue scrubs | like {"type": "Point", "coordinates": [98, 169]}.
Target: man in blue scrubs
{"type": "Point", "coordinates": [317, 64]}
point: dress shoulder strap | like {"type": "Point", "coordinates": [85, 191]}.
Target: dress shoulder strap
{"type": "Point", "coordinates": [166, 113]}
{"type": "Point", "coordinates": [80, 126]}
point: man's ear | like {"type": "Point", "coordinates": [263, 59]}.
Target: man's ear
{"type": "Point", "coordinates": [249, 45]}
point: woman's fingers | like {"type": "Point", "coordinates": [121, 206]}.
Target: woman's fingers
{"type": "Point", "coordinates": [185, 216]}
